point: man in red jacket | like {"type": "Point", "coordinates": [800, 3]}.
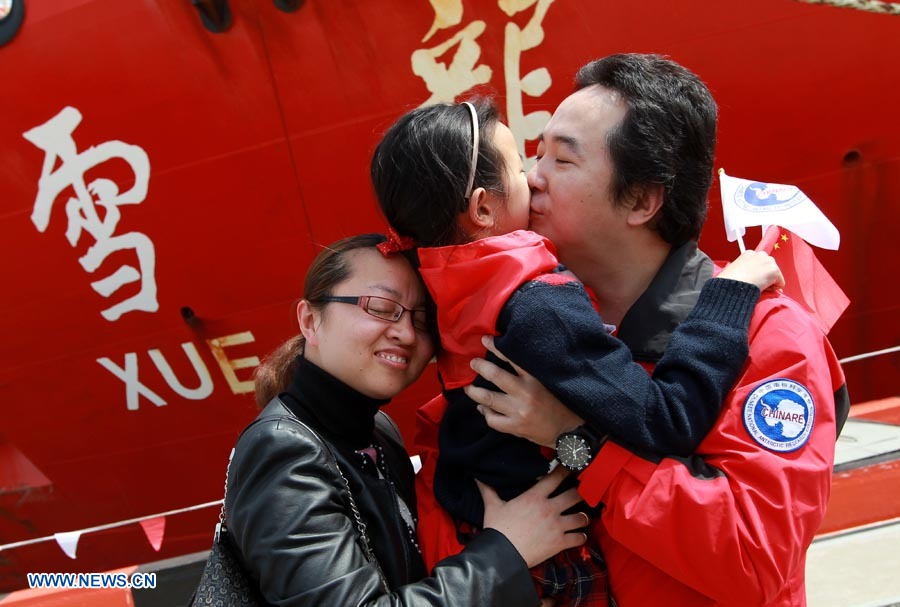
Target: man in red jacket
{"type": "Point", "coordinates": [620, 186]}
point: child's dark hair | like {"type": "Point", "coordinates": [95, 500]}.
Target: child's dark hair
{"type": "Point", "coordinates": [420, 170]}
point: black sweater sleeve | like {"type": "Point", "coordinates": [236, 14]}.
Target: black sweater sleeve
{"type": "Point", "coordinates": [554, 333]}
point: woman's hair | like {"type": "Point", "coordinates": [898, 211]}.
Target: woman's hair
{"type": "Point", "coordinates": [329, 269]}
{"type": "Point", "coordinates": [421, 168]}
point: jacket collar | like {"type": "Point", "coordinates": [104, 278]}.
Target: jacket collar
{"type": "Point", "coordinates": [649, 323]}
{"type": "Point", "coordinates": [470, 283]}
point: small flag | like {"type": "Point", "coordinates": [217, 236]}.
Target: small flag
{"type": "Point", "coordinates": [154, 529]}
{"type": "Point", "coordinates": [68, 541]}
{"type": "Point", "coordinates": [806, 281]}
{"type": "Point", "coordinates": [755, 203]}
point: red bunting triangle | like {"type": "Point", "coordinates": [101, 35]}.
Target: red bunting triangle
{"type": "Point", "coordinates": [154, 529]}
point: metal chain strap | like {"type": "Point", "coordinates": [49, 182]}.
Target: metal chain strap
{"type": "Point", "coordinates": [225, 490]}
{"type": "Point", "coordinates": [361, 527]}
{"type": "Point", "coordinates": [221, 524]}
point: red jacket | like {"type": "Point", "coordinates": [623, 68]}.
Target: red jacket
{"type": "Point", "coordinates": [731, 526]}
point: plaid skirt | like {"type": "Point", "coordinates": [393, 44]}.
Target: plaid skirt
{"type": "Point", "coordinates": [576, 577]}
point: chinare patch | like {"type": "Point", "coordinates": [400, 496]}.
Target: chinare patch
{"type": "Point", "coordinates": [779, 415]}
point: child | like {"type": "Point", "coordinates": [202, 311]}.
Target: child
{"type": "Point", "coordinates": [449, 178]}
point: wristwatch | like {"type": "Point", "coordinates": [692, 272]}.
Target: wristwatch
{"type": "Point", "coordinates": [577, 448]}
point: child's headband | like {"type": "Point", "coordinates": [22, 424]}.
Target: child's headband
{"type": "Point", "coordinates": [474, 148]}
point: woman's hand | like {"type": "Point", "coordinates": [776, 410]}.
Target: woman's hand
{"type": "Point", "coordinates": [757, 268]}
{"type": "Point", "coordinates": [534, 522]}
{"type": "Point", "coordinates": [527, 409]}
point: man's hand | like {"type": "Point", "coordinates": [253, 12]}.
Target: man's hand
{"type": "Point", "coordinates": [527, 409]}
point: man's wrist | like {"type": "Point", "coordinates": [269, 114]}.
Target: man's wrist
{"type": "Point", "coordinates": [577, 448]}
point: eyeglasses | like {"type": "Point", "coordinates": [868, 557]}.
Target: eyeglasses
{"type": "Point", "coordinates": [381, 307]}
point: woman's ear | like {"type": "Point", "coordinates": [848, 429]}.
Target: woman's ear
{"type": "Point", "coordinates": [308, 320]}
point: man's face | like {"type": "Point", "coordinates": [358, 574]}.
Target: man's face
{"type": "Point", "coordinates": [571, 201]}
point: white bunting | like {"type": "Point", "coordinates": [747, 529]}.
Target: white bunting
{"type": "Point", "coordinates": [68, 541]}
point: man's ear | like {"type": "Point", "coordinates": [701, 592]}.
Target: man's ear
{"type": "Point", "coordinates": [308, 320]}
{"type": "Point", "coordinates": [646, 202]}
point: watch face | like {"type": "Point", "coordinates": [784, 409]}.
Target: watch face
{"type": "Point", "coordinates": [573, 452]}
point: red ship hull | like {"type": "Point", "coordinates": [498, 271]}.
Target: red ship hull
{"type": "Point", "coordinates": [238, 154]}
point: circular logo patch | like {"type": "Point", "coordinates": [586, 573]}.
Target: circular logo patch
{"type": "Point", "coordinates": [759, 196]}
{"type": "Point", "coordinates": [779, 415]}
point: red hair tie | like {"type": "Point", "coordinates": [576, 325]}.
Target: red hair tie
{"type": "Point", "coordinates": [395, 243]}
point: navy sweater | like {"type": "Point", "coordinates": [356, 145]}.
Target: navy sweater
{"type": "Point", "coordinates": [554, 333]}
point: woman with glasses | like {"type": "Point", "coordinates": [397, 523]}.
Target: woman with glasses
{"type": "Point", "coordinates": [320, 501]}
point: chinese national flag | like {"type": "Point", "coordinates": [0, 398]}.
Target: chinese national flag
{"type": "Point", "coordinates": [806, 281]}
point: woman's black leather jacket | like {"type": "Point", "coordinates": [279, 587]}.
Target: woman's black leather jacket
{"type": "Point", "coordinates": [287, 511]}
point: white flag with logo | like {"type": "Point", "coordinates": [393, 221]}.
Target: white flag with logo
{"type": "Point", "coordinates": [757, 203]}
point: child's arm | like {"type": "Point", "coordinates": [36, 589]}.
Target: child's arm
{"type": "Point", "coordinates": [553, 332]}
{"type": "Point", "coordinates": [755, 267]}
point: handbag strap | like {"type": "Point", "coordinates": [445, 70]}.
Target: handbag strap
{"type": "Point", "coordinates": [360, 524]}
{"type": "Point", "coordinates": [221, 524]}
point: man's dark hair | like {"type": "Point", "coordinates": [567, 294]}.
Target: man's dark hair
{"type": "Point", "coordinates": [667, 137]}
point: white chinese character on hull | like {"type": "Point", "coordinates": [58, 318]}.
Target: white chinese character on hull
{"type": "Point", "coordinates": [55, 138]}
{"type": "Point", "coordinates": [445, 83]}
